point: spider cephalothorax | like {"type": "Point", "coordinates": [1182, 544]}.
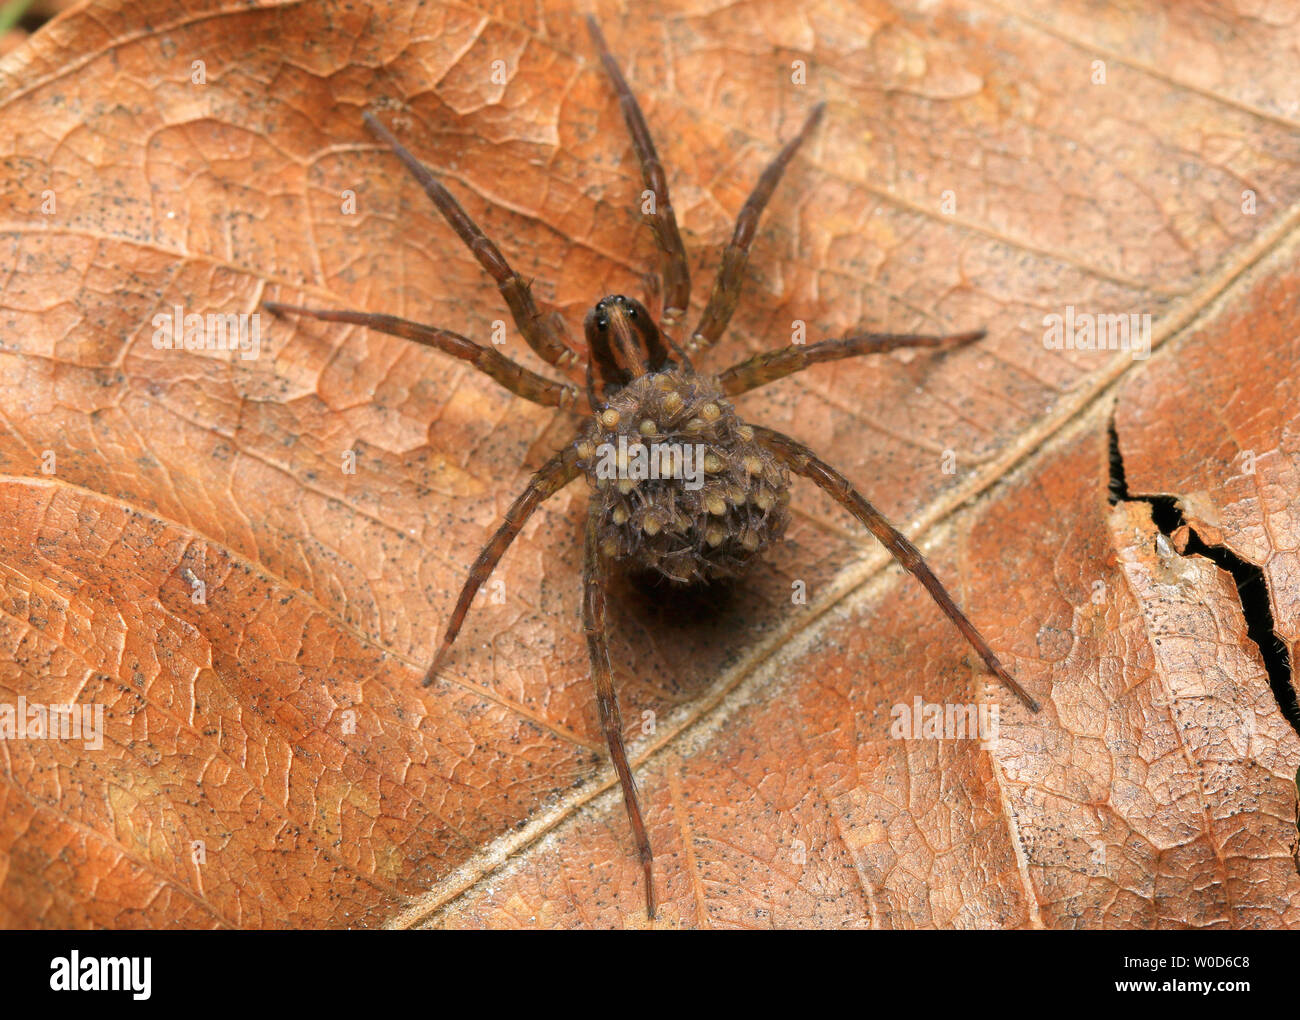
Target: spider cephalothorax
{"type": "Point", "coordinates": [681, 486]}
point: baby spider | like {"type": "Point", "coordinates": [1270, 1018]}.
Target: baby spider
{"type": "Point", "coordinates": [681, 486]}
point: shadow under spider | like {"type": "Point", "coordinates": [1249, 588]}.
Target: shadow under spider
{"type": "Point", "coordinates": [695, 631]}
{"type": "Point", "coordinates": [681, 486]}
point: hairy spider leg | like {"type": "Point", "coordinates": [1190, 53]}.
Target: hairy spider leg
{"type": "Point", "coordinates": [550, 478]}
{"type": "Point", "coordinates": [802, 461]}
{"type": "Point", "coordinates": [546, 335]}
{"type": "Point", "coordinates": [595, 570]}
{"type": "Point", "coordinates": [663, 221]}
{"type": "Point", "coordinates": [769, 366]}
{"type": "Point", "coordinates": [515, 377]}
{"type": "Point", "coordinates": [731, 274]}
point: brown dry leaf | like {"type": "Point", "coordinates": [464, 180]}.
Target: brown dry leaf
{"type": "Point", "coordinates": [269, 756]}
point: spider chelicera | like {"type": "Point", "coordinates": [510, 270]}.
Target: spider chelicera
{"type": "Point", "coordinates": [681, 487]}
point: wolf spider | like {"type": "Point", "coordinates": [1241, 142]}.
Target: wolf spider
{"type": "Point", "coordinates": [640, 387]}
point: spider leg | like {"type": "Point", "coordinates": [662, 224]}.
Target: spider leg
{"type": "Point", "coordinates": [595, 571]}
{"type": "Point", "coordinates": [545, 335]}
{"type": "Point", "coordinates": [770, 366]}
{"type": "Point", "coordinates": [663, 221]}
{"type": "Point", "coordinates": [731, 274]}
{"type": "Point", "coordinates": [803, 461]}
{"type": "Point", "coordinates": [550, 478]}
{"type": "Point", "coordinates": [514, 377]}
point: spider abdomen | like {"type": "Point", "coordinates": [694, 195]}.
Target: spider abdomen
{"type": "Point", "coordinates": [681, 486]}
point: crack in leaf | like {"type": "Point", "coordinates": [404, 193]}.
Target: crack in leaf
{"type": "Point", "coordinates": [1252, 588]}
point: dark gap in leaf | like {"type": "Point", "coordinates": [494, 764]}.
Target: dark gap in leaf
{"type": "Point", "coordinates": [1117, 488]}
{"type": "Point", "coordinates": [1252, 590]}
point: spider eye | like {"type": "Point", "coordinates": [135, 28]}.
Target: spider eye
{"type": "Point", "coordinates": [601, 321]}
{"type": "Point", "coordinates": [631, 313]}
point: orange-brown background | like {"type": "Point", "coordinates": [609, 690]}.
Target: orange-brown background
{"type": "Point", "coordinates": [1154, 789]}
